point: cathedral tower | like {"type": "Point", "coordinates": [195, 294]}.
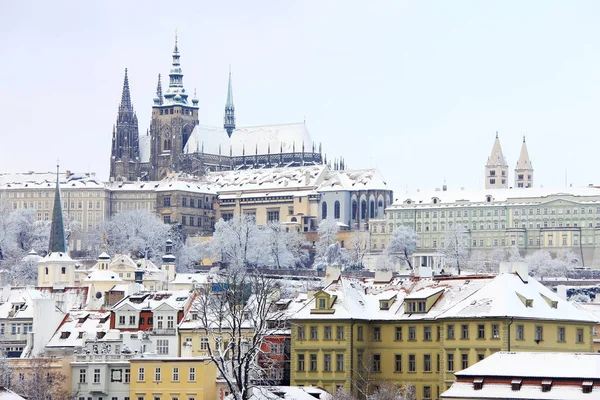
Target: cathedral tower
{"type": "Point", "coordinates": [524, 169]}
{"type": "Point", "coordinates": [496, 169]}
{"type": "Point", "coordinates": [229, 119]}
{"type": "Point", "coordinates": [57, 269]}
{"type": "Point", "coordinates": [173, 120]}
{"type": "Point", "coordinates": [125, 153]}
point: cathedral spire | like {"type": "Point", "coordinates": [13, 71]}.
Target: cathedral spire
{"type": "Point", "coordinates": [58, 242]}
{"type": "Point", "coordinates": [229, 119]}
{"type": "Point", "coordinates": [524, 169]}
{"type": "Point", "coordinates": [158, 100]}
{"type": "Point", "coordinates": [126, 95]}
{"type": "Point", "coordinates": [176, 93]}
{"type": "Point", "coordinates": [496, 169]}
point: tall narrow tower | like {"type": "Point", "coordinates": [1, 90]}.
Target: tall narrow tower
{"type": "Point", "coordinates": [125, 152]}
{"type": "Point", "coordinates": [56, 269]}
{"type": "Point", "coordinates": [496, 169]}
{"type": "Point", "coordinates": [229, 119]}
{"type": "Point", "coordinates": [173, 120]}
{"type": "Point", "coordinates": [524, 169]}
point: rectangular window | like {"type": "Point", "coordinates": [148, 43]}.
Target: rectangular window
{"type": "Point", "coordinates": [398, 334]}
{"type": "Point", "coordinates": [427, 333]}
{"type": "Point", "coordinates": [340, 362]}
{"type": "Point", "coordinates": [450, 331]}
{"type": "Point", "coordinates": [376, 333]}
{"type": "Point", "coordinates": [192, 375]}
{"type": "Point", "coordinates": [340, 333]}
{"type": "Point", "coordinates": [175, 374]}
{"type": "Point", "coordinates": [301, 334]}
{"type": "Point", "coordinates": [97, 375]}
{"type": "Point", "coordinates": [412, 363]}
{"type": "Point", "coordinates": [464, 329]}
{"type": "Point", "coordinates": [539, 333]}
{"type": "Point", "coordinates": [480, 331]}
{"type": "Point", "coordinates": [82, 375]}
{"type": "Point", "coordinates": [427, 362]}
{"type": "Point", "coordinates": [132, 320]}
{"type": "Point", "coordinates": [398, 363]}
{"type": "Point", "coordinates": [300, 362]}
{"type": "Point", "coordinates": [520, 332]}
{"type": "Point", "coordinates": [141, 374]}
{"type": "Point", "coordinates": [127, 375]}
{"type": "Point", "coordinates": [561, 334]}
{"type": "Point", "coordinates": [412, 333]}
{"type": "Point", "coordinates": [495, 331]}
{"type": "Point", "coordinates": [328, 333]}
{"type": "Point", "coordinates": [579, 335]}
{"type": "Point", "coordinates": [167, 201]}
{"type": "Point", "coordinates": [314, 333]}
{"type": "Point", "coordinates": [204, 343]}
{"type": "Point", "coordinates": [157, 374]}
{"type": "Point", "coordinates": [359, 333]}
{"type": "Point", "coordinates": [313, 362]}
{"type": "Point", "coordinates": [121, 320]}
{"type": "Point", "coordinates": [450, 362]}
{"type": "Point", "coordinates": [465, 360]}
{"type": "Point", "coordinates": [162, 346]}
{"type": "Point", "coordinates": [327, 362]}
{"type": "Point", "coordinates": [272, 216]}
{"type": "Point", "coordinates": [376, 364]}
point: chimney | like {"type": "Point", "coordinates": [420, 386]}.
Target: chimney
{"type": "Point", "coordinates": [332, 274]}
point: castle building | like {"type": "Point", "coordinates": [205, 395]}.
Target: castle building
{"type": "Point", "coordinates": [176, 142]}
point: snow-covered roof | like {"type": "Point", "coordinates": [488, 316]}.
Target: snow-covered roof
{"type": "Point", "coordinates": [499, 196]}
{"type": "Point", "coordinates": [189, 278]}
{"type": "Point", "coordinates": [504, 391]}
{"type": "Point", "coordinates": [79, 326]}
{"type": "Point", "coordinates": [152, 300]}
{"type": "Point", "coordinates": [70, 298]}
{"type": "Point", "coordinates": [6, 394]}
{"type": "Point", "coordinates": [285, 138]}
{"type": "Point", "coordinates": [100, 275]}
{"type": "Point", "coordinates": [287, 393]}
{"type": "Point", "coordinates": [353, 179]}
{"type": "Point", "coordinates": [184, 185]}
{"type": "Point", "coordinates": [47, 180]}
{"type": "Point", "coordinates": [504, 297]}
{"type": "Point", "coordinates": [462, 297]}
{"type": "Point", "coordinates": [539, 365]}
{"type": "Point", "coordinates": [266, 179]}
{"type": "Point", "coordinates": [123, 262]}
{"type": "Point", "coordinates": [18, 302]}
{"type": "Point", "coordinates": [593, 309]}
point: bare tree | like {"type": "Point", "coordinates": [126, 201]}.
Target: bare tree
{"type": "Point", "coordinates": [328, 230]}
{"type": "Point", "coordinates": [235, 314]}
{"type": "Point", "coordinates": [237, 242]}
{"type": "Point", "coordinates": [39, 380]}
{"type": "Point", "coordinates": [455, 246]}
{"type": "Point", "coordinates": [284, 248]}
{"type": "Point", "coordinates": [402, 244]}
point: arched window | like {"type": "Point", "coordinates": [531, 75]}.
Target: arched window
{"type": "Point", "coordinates": [294, 219]}
{"type": "Point", "coordinates": [336, 210]}
{"type": "Point", "coordinates": [165, 146]}
{"type": "Point", "coordinates": [372, 209]}
{"type": "Point", "coordinates": [363, 209]}
{"type": "Point", "coordinates": [324, 210]}
{"type": "Point", "coordinates": [354, 209]}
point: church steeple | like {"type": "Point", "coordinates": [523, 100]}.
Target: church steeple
{"type": "Point", "coordinates": [524, 169]}
{"type": "Point", "coordinates": [229, 119]}
{"type": "Point", "coordinates": [158, 100]}
{"type": "Point", "coordinates": [124, 162]}
{"type": "Point", "coordinates": [496, 169]}
{"type": "Point", "coordinates": [58, 242]}
{"type": "Point", "coordinates": [176, 93]}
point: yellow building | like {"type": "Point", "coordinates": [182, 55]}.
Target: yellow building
{"type": "Point", "coordinates": [357, 334]}
{"type": "Point", "coordinates": [192, 378]}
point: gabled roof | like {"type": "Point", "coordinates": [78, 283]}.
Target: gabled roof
{"type": "Point", "coordinates": [523, 162]}
{"type": "Point", "coordinates": [79, 326]}
{"type": "Point", "coordinates": [153, 300]}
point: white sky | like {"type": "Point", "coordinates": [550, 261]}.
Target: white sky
{"type": "Point", "coordinates": [416, 88]}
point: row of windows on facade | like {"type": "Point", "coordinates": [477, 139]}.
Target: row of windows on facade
{"type": "Point", "coordinates": [191, 376]}
{"type": "Point", "coordinates": [176, 111]}
{"type": "Point", "coordinates": [520, 241]}
{"type": "Point", "coordinates": [186, 220]}
{"type": "Point", "coordinates": [496, 212]}
{"type": "Point", "coordinates": [15, 329]}
{"type": "Point", "coordinates": [363, 209]}
{"type": "Point", "coordinates": [159, 321]}
{"type": "Point", "coordinates": [497, 226]}
{"type": "Point", "coordinates": [46, 205]}
{"type": "Point", "coordinates": [481, 332]}
{"type": "Point", "coordinates": [66, 193]}
{"type": "Point", "coordinates": [189, 202]}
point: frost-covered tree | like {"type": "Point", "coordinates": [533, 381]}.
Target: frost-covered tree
{"type": "Point", "coordinates": [358, 248]}
{"type": "Point", "coordinates": [239, 242]}
{"type": "Point", "coordinates": [542, 265]}
{"type": "Point", "coordinates": [138, 232]}
{"type": "Point", "coordinates": [513, 254]}
{"type": "Point", "coordinates": [402, 244]}
{"type": "Point", "coordinates": [335, 255]}
{"type": "Point", "coordinates": [284, 248]}
{"type": "Point", "coordinates": [580, 298]}
{"type": "Point", "coordinates": [454, 246]}
{"type": "Point", "coordinates": [236, 320]}
{"type": "Point", "coordinates": [328, 230]}
{"type": "Point", "coordinates": [40, 380]}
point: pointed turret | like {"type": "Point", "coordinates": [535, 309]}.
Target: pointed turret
{"type": "Point", "coordinates": [175, 94]}
{"type": "Point", "coordinates": [496, 169]}
{"type": "Point", "coordinates": [229, 119]}
{"type": "Point", "coordinates": [58, 242]}
{"type": "Point", "coordinates": [158, 100]}
{"type": "Point", "coordinates": [126, 95]}
{"type": "Point", "coordinates": [524, 169]}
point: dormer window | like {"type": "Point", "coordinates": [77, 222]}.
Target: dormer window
{"type": "Point", "coordinates": [488, 199]}
{"type": "Point", "coordinates": [435, 200]}
{"type": "Point", "coordinates": [546, 385]}
{"type": "Point", "coordinates": [515, 384]}
{"type": "Point", "coordinates": [384, 305]}
{"type": "Point", "coordinates": [587, 386]}
{"type": "Point", "coordinates": [478, 383]}
{"type": "Point", "coordinates": [322, 303]}
{"type": "Point", "coordinates": [65, 335]}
